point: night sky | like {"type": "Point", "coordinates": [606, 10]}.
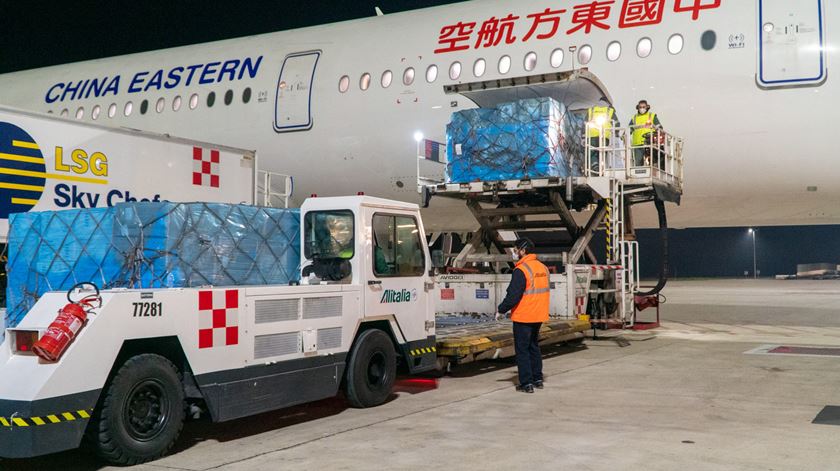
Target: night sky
{"type": "Point", "coordinates": [38, 33]}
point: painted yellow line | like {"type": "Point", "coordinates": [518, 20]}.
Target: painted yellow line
{"type": "Point", "coordinates": [83, 414]}
{"type": "Point", "coordinates": [24, 201]}
{"type": "Point", "coordinates": [53, 419]}
{"type": "Point", "coordinates": [38, 420]}
{"type": "Point", "coordinates": [68, 416]}
{"type": "Point", "coordinates": [19, 422]}
{"type": "Point", "coordinates": [21, 158]}
{"type": "Point", "coordinates": [25, 145]}
{"type": "Point", "coordinates": [22, 173]}
{"type": "Point", "coordinates": [70, 178]}
{"type": "Point", "coordinates": [18, 186]}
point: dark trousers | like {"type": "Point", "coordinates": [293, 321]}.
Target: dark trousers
{"type": "Point", "coordinates": [526, 338]}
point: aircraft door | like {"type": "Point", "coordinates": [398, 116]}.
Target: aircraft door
{"type": "Point", "coordinates": [293, 104]}
{"type": "Point", "coordinates": [791, 43]}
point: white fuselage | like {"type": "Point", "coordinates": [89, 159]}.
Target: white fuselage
{"type": "Point", "coordinates": [754, 155]}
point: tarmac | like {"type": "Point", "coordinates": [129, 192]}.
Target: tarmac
{"type": "Point", "coordinates": [703, 392]}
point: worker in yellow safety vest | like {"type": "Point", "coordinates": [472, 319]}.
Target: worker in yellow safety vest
{"type": "Point", "coordinates": [600, 120]}
{"type": "Point", "coordinates": [528, 297]}
{"type": "Point", "coordinates": [643, 124]}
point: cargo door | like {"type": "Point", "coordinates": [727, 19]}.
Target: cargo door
{"type": "Point", "coordinates": [791, 42]}
{"type": "Point", "coordinates": [293, 104]}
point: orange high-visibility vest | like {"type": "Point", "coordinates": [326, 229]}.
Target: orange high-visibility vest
{"type": "Point", "coordinates": [534, 305]}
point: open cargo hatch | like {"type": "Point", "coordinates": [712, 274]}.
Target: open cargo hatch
{"type": "Point", "coordinates": [577, 90]}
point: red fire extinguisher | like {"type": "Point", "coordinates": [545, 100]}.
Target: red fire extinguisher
{"type": "Point", "coordinates": [71, 318]}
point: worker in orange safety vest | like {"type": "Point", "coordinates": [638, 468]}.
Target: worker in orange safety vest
{"type": "Point", "coordinates": [528, 300]}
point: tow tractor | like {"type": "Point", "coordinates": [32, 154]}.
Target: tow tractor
{"type": "Point", "coordinates": [144, 359]}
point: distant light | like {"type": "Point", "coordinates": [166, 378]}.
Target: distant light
{"type": "Point", "coordinates": [750, 230]}
{"type": "Point", "coordinates": [418, 136]}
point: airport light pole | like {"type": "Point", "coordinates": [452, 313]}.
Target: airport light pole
{"type": "Point", "coordinates": [752, 233]}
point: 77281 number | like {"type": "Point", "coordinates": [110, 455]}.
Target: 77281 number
{"type": "Point", "coordinates": [148, 309]}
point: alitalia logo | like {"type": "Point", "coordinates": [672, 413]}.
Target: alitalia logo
{"type": "Point", "coordinates": [394, 296]}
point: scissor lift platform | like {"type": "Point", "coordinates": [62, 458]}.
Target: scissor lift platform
{"type": "Point", "coordinates": [464, 339]}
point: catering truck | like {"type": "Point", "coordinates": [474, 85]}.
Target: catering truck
{"type": "Point", "coordinates": [138, 361]}
{"type": "Point", "coordinates": [52, 163]}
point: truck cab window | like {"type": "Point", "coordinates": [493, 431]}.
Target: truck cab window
{"type": "Point", "coordinates": [329, 235]}
{"type": "Point", "coordinates": [397, 248]}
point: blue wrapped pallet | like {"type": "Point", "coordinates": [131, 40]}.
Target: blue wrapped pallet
{"type": "Point", "coordinates": [528, 138]}
{"type": "Point", "coordinates": [149, 245]}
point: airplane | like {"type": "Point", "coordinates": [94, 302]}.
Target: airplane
{"type": "Point", "coordinates": [341, 107]}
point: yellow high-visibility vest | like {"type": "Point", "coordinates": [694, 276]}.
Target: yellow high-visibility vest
{"type": "Point", "coordinates": [600, 117]}
{"type": "Point", "coordinates": [642, 126]}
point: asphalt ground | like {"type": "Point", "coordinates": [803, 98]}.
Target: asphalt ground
{"type": "Point", "coordinates": [699, 393]}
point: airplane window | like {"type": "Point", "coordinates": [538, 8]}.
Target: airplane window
{"type": "Point", "coordinates": [557, 58]}
{"type": "Point", "coordinates": [455, 70]}
{"type": "Point", "coordinates": [644, 47]}
{"type": "Point", "coordinates": [246, 95]}
{"type": "Point", "coordinates": [530, 61]}
{"type": "Point", "coordinates": [408, 76]}
{"type": "Point", "coordinates": [228, 97]}
{"type": "Point", "coordinates": [161, 103]}
{"type": "Point", "coordinates": [387, 78]}
{"type": "Point", "coordinates": [585, 54]}
{"type": "Point", "coordinates": [675, 44]}
{"type": "Point", "coordinates": [112, 110]}
{"type": "Point", "coordinates": [614, 51]}
{"type": "Point", "coordinates": [129, 107]}
{"type": "Point", "coordinates": [479, 67]}
{"type": "Point", "coordinates": [504, 65]}
{"type": "Point", "coordinates": [176, 103]}
{"type": "Point", "coordinates": [364, 82]}
{"type": "Point", "coordinates": [193, 101]}
{"type": "Point", "coordinates": [144, 106]}
{"type": "Point", "coordinates": [94, 113]}
{"type": "Point", "coordinates": [708, 40]}
{"type": "Point", "coordinates": [80, 113]}
{"type": "Point", "coordinates": [431, 73]}
{"type": "Point", "coordinates": [65, 113]}
{"type": "Point", "coordinates": [344, 84]}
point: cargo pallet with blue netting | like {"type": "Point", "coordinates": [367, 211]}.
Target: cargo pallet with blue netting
{"type": "Point", "coordinates": [149, 245]}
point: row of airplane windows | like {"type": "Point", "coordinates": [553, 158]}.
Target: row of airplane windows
{"type": "Point", "coordinates": [644, 47]}
{"type": "Point", "coordinates": [160, 105]}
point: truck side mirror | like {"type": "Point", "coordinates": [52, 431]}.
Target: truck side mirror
{"type": "Point", "coordinates": [425, 197]}
{"type": "Point", "coordinates": [437, 258]}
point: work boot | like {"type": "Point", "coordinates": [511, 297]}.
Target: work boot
{"type": "Point", "coordinates": [526, 388]}
{"type": "Point", "coordinates": [539, 384]}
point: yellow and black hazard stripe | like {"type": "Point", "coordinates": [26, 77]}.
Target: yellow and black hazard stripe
{"type": "Point", "coordinates": [56, 418]}
{"type": "Point", "coordinates": [422, 351]}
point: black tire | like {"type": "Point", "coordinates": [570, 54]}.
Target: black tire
{"type": "Point", "coordinates": [142, 412]}
{"type": "Point", "coordinates": [371, 370]}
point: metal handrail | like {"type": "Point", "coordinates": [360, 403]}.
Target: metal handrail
{"type": "Point", "coordinates": [268, 182]}
{"type": "Point", "coordinates": [615, 155]}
